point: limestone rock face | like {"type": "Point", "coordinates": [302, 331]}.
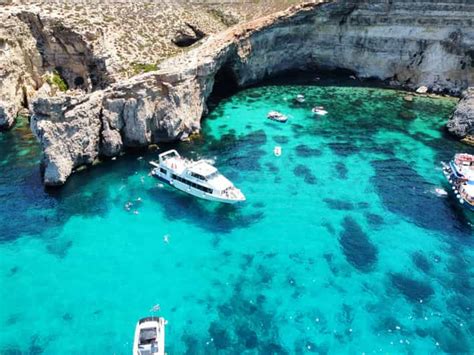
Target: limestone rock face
{"type": "Point", "coordinates": [19, 60]}
{"type": "Point", "coordinates": [93, 43]}
{"type": "Point", "coordinates": [70, 136]}
{"type": "Point", "coordinates": [413, 43]}
{"type": "Point", "coordinates": [462, 122]}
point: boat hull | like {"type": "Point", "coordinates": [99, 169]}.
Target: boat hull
{"type": "Point", "coordinates": [194, 192]}
{"type": "Point", "coordinates": [453, 179]}
{"type": "Point", "coordinates": [150, 322]}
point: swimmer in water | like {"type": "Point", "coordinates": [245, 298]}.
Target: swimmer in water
{"type": "Point", "coordinates": [155, 308]}
{"type": "Point", "coordinates": [166, 238]}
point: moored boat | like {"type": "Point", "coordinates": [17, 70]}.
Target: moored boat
{"type": "Point", "coordinates": [149, 336]}
{"type": "Point", "coordinates": [300, 98]}
{"type": "Point", "coordinates": [460, 174]}
{"type": "Point", "coordinates": [197, 178]}
{"type": "Point", "coordinates": [319, 110]}
{"type": "Point", "coordinates": [277, 116]}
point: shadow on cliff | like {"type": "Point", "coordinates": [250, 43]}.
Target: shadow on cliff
{"type": "Point", "coordinates": [66, 52]}
{"type": "Point", "coordinates": [225, 85]}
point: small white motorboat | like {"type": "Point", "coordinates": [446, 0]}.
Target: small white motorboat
{"type": "Point", "coordinates": [149, 336]}
{"type": "Point", "coordinates": [197, 178]}
{"type": "Point", "coordinates": [277, 151]}
{"type": "Point", "coordinates": [300, 98]}
{"type": "Point", "coordinates": [319, 110]}
{"type": "Point", "coordinates": [277, 116]}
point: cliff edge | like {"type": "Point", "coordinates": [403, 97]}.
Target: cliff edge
{"type": "Point", "coordinates": [55, 46]}
{"type": "Point", "coordinates": [410, 43]}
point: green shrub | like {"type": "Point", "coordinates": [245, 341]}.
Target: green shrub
{"type": "Point", "coordinates": [56, 80]}
{"type": "Point", "coordinates": [138, 68]}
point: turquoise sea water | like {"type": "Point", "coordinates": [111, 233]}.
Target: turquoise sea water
{"type": "Point", "coordinates": [343, 245]}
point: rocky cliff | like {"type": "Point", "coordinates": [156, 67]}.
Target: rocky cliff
{"type": "Point", "coordinates": [59, 45]}
{"type": "Point", "coordinates": [19, 76]}
{"type": "Point", "coordinates": [412, 43]}
{"type": "Point", "coordinates": [462, 122]}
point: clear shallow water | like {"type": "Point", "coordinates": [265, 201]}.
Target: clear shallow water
{"type": "Point", "coordinates": [342, 245]}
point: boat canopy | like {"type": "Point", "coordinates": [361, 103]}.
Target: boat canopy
{"type": "Point", "coordinates": [202, 168]}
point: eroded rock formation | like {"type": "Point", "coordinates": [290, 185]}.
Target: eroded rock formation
{"type": "Point", "coordinates": [19, 76]}
{"type": "Point", "coordinates": [462, 122]}
{"type": "Point", "coordinates": [412, 43]}
{"type": "Point", "coordinates": [85, 45]}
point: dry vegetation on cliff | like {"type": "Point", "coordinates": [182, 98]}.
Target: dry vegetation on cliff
{"type": "Point", "coordinates": [135, 35]}
{"type": "Point", "coordinates": [89, 44]}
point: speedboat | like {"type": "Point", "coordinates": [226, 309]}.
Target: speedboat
{"type": "Point", "coordinates": [319, 110]}
{"type": "Point", "coordinates": [300, 98]}
{"type": "Point", "coordinates": [277, 116]}
{"type": "Point", "coordinates": [197, 178]}
{"type": "Point", "coordinates": [149, 336]}
{"type": "Point", "coordinates": [460, 174]}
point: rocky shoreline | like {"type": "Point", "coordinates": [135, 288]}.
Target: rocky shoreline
{"type": "Point", "coordinates": [410, 44]}
{"type": "Point", "coordinates": [461, 123]}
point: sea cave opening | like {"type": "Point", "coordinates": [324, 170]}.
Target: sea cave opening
{"type": "Point", "coordinates": [225, 85]}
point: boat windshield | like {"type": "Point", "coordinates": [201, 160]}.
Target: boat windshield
{"type": "Point", "coordinates": [171, 155]}
{"type": "Point", "coordinates": [147, 335]}
{"type": "Point", "coordinates": [213, 175]}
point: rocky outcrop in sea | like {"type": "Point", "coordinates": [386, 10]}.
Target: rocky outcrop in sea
{"type": "Point", "coordinates": [461, 123]}
{"type": "Point", "coordinates": [409, 43]}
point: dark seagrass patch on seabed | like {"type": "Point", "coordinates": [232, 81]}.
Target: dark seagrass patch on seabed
{"type": "Point", "coordinates": [403, 191]}
{"type": "Point", "coordinates": [413, 290]}
{"type": "Point", "coordinates": [305, 151]}
{"type": "Point", "coordinates": [281, 139]}
{"type": "Point", "coordinates": [305, 173]}
{"type": "Point", "coordinates": [356, 245]}
{"type": "Point", "coordinates": [59, 248]}
{"type": "Point", "coordinates": [374, 220]}
{"type": "Point", "coordinates": [341, 170]}
{"type": "Point", "coordinates": [243, 323]}
{"type": "Point", "coordinates": [14, 270]}
{"type": "Point", "coordinates": [453, 338]}
{"type": "Point", "coordinates": [343, 149]}
{"type": "Point", "coordinates": [272, 167]}
{"type": "Point", "coordinates": [339, 205]}
{"type": "Point", "coordinates": [222, 218]}
{"type": "Point", "coordinates": [421, 262]}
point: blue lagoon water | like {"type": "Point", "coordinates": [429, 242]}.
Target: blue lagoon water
{"type": "Point", "coordinates": [343, 244]}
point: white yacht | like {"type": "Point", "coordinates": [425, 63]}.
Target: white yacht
{"type": "Point", "coordinates": [149, 336]}
{"type": "Point", "coordinates": [197, 178]}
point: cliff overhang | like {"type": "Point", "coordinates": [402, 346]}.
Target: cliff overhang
{"type": "Point", "coordinates": [411, 44]}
